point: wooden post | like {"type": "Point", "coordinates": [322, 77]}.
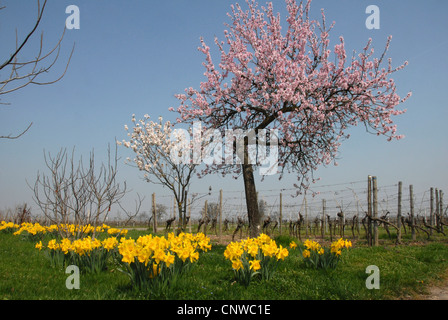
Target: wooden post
{"type": "Point", "coordinates": [342, 220]}
{"type": "Point", "coordinates": [154, 212]}
{"type": "Point", "coordinates": [431, 209]}
{"type": "Point", "coordinates": [205, 217]}
{"type": "Point", "coordinates": [281, 214]}
{"type": "Point", "coordinates": [369, 211]}
{"type": "Point", "coordinates": [441, 208]}
{"type": "Point", "coordinates": [400, 185]}
{"type": "Point", "coordinates": [306, 218]}
{"type": "Point", "coordinates": [189, 215]}
{"type": "Point", "coordinates": [411, 204]}
{"type": "Point", "coordinates": [375, 211]}
{"type": "Point", "coordinates": [438, 224]}
{"type": "Point", "coordinates": [324, 218]}
{"type": "Point", "coordinates": [220, 215]}
{"type": "Point", "coordinates": [174, 214]}
{"type": "Point", "coordinates": [358, 221]}
{"type": "Point", "coordinates": [184, 211]}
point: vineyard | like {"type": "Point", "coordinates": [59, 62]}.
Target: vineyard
{"type": "Point", "coordinates": [361, 210]}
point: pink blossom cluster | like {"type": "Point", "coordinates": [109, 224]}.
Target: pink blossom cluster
{"type": "Point", "coordinates": [291, 79]}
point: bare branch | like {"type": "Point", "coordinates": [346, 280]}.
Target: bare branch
{"type": "Point", "coordinates": [10, 136]}
{"type": "Point", "coordinates": [16, 52]}
{"type": "Point", "coordinates": [20, 74]}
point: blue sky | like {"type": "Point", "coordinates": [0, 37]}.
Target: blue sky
{"type": "Point", "coordinates": [131, 57]}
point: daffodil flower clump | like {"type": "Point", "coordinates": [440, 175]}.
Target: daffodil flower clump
{"type": "Point", "coordinates": [320, 258]}
{"type": "Point", "coordinates": [8, 227]}
{"type": "Point", "coordinates": [33, 230]}
{"type": "Point", "coordinates": [153, 262]}
{"type": "Point", "coordinates": [89, 254]}
{"type": "Point", "coordinates": [254, 256]}
{"type": "Point", "coordinates": [37, 231]}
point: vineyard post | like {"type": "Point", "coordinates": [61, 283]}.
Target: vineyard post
{"type": "Point", "coordinates": [369, 211]}
{"type": "Point", "coordinates": [189, 215]}
{"type": "Point", "coordinates": [220, 215]}
{"type": "Point", "coordinates": [174, 214]}
{"type": "Point", "coordinates": [441, 208]}
{"type": "Point", "coordinates": [411, 203]}
{"type": "Point", "coordinates": [431, 209]}
{"type": "Point", "coordinates": [358, 221]}
{"type": "Point", "coordinates": [437, 209]}
{"type": "Point", "coordinates": [375, 211]}
{"type": "Point", "coordinates": [400, 186]}
{"type": "Point", "coordinates": [342, 220]}
{"type": "Point", "coordinates": [324, 225]}
{"type": "Point", "coordinates": [281, 214]}
{"type": "Point", "coordinates": [306, 218]}
{"type": "Point", "coordinates": [205, 217]}
{"type": "Point", "coordinates": [154, 212]}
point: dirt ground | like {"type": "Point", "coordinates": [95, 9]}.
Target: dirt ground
{"type": "Point", "coordinates": [437, 293]}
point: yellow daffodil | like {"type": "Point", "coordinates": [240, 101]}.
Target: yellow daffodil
{"type": "Point", "coordinates": [312, 245]}
{"type": "Point", "coordinates": [282, 253]}
{"type": "Point", "coordinates": [255, 252]}
{"type": "Point", "coordinates": [237, 264]}
{"type": "Point", "coordinates": [306, 253]}
{"type": "Point", "coordinates": [269, 250]}
{"type": "Point", "coordinates": [143, 255]}
{"type": "Point", "coordinates": [155, 271]}
{"type": "Point", "coordinates": [252, 249]}
{"type": "Point", "coordinates": [110, 243]}
{"type": "Point", "coordinates": [39, 245]}
{"type": "Point", "coordinates": [52, 245]}
{"type": "Point", "coordinates": [169, 259]}
{"type": "Point", "coordinates": [194, 256]}
{"type": "Point", "coordinates": [65, 245]}
{"type": "Point", "coordinates": [254, 265]}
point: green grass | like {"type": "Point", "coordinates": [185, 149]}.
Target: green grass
{"type": "Point", "coordinates": [404, 270]}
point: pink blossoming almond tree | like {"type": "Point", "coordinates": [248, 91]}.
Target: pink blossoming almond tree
{"type": "Point", "coordinates": [291, 80]}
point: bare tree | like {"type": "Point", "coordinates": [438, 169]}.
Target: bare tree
{"type": "Point", "coordinates": [21, 73]}
{"type": "Point", "coordinates": [79, 194]}
{"type": "Point", "coordinates": [23, 214]}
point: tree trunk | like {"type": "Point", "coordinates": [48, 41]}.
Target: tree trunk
{"type": "Point", "coordinates": [251, 200]}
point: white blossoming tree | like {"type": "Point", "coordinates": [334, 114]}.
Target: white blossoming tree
{"type": "Point", "coordinates": [163, 154]}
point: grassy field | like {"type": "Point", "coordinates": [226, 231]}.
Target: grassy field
{"type": "Point", "coordinates": [405, 271]}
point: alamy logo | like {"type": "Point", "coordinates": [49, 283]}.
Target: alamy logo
{"type": "Point", "coordinates": [373, 20]}
{"type": "Point", "coordinates": [72, 21]}
{"type": "Point", "coordinates": [373, 280]}
{"type": "Point", "coordinates": [72, 281]}
{"type": "Point", "coordinates": [197, 146]}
